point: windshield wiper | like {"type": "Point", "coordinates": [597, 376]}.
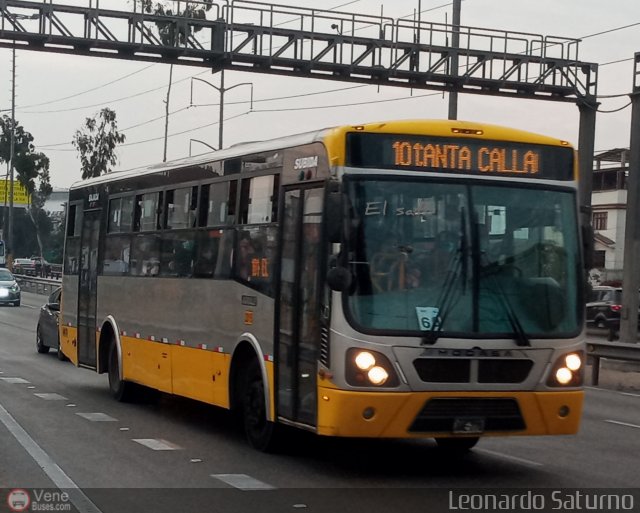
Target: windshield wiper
{"type": "Point", "coordinates": [457, 269]}
{"type": "Point", "coordinates": [520, 335]}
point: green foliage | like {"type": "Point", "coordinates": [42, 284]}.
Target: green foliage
{"type": "Point", "coordinates": [170, 32]}
{"type": "Point", "coordinates": [96, 142]}
{"type": "Point", "coordinates": [32, 171]}
{"type": "Point", "coordinates": [31, 167]}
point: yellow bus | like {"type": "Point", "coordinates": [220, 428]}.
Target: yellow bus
{"type": "Point", "coordinates": [399, 279]}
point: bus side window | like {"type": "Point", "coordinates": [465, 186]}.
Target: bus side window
{"type": "Point", "coordinates": [145, 255]}
{"type": "Point", "coordinates": [258, 200]}
{"type": "Point", "coordinates": [179, 209]}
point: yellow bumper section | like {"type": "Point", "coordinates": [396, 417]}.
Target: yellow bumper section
{"type": "Point", "coordinates": [391, 415]}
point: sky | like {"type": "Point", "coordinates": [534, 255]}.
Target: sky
{"type": "Point", "coordinates": [55, 93]}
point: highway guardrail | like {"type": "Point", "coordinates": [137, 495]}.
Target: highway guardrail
{"type": "Point", "coordinates": [612, 351]}
{"type": "Point", "coordinates": [43, 286]}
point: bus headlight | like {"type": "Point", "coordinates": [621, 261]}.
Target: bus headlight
{"type": "Point", "coordinates": [573, 362]}
{"type": "Point", "coordinates": [365, 360]}
{"type": "Point", "coordinates": [567, 371]}
{"type": "Point", "coordinates": [366, 368]}
{"type": "Point", "coordinates": [377, 375]}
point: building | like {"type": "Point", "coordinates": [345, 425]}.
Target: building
{"type": "Point", "coordinates": [609, 202]}
{"type": "Point", "coordinates": [56, 205]}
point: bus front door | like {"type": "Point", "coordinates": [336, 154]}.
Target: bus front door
{"type": "Point", "coordinates": [298, 335]}
{"type": "Point", "coordinates": [87, 287]}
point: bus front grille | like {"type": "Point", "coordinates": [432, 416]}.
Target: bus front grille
{"type": "Point", "coordinates": [459, 370]}
{"type": "Point", "coordinates": [441, 414]}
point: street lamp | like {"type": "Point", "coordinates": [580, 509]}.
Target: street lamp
{"type": "Point", "coordinates": [221, 90]}
{"type": "Point", "coordinates": [201, 142]}
{"type": "Point", "coordinates": [10, 164]}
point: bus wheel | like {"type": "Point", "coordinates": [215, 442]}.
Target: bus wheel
{"type": "Point", "coordinates": [120, 389]}
{"type": "Point", "coordinates": [457, 445]}
{"type": "Point", "coordinates": [259, 431]}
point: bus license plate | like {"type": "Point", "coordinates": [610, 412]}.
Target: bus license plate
{"type": "Point", "coordinates": [468, 425]}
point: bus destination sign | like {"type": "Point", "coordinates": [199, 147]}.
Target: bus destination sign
{"type": "Point", "coordinates": [459, 155]}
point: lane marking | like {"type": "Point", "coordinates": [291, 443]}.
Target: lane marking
{"type": "Point", "coordinates": [509, 457]}
{"type": "Point", "coordinates": [97, 417]}
{"type": "Point", "coordinates": [156, 444]}
{"type": "Point", "coordinates": [613, 391]}
{"type": "Point", "coordinates": [622, 423]}
{"type": "Point", "coordinates": [14, 380]}
{"type": "Point", "coordinates": [82, 503]}
{"type": "Point", "coordinates": [243, 482]}
{"type": "Point", "coordinates": [51, 397]}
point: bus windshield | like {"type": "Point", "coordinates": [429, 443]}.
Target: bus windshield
{"type": "Point", "coordinates": [463, 259]}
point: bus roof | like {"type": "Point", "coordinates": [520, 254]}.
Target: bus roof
{"type": "Point", "coordinates": [332, 136]}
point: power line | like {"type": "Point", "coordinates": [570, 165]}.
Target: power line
{"type": "Point", "coordinates": [277, 98]}
{"type": "Point", "coordinates": [318, 107]}
{"type": "Point", "coordinates": [75, 95]}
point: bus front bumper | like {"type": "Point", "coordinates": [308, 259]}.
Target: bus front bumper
{"type": "Point", "coordinates": [441, 414]}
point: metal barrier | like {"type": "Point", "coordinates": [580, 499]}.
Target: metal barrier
{"type": "Point", "coordinates": [611, 350]}
{"type": "Point", "coordinates": [42, 286]}
{"type": "Point", "coordinates": [53, 271]}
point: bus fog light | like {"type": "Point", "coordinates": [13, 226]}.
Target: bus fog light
{"type": "Point", "coordinates": [365, 360]}
{"type": "Point", "coordinates": [573, 362]}
{"type": "Point", "coordinates": [564, 375]}
{"type": "Point", "coordinates": [564, 411]}
{"type": "Point", "coordinates": [368, 413]}
{"type": "Point", "coordinates": [377, 375]}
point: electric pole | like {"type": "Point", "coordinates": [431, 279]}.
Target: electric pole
{"type": "Point", "coordinates": [631, 272]}
{"type": "Point", "coordinates": [9, 249]}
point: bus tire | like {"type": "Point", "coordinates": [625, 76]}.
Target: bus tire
{"type": "Point", "coordinates": [457, 445]}
{"type": "Point", "coordinates": [121, 390]}
{"type": "Point", "coordinates": [40, 347]}
{"type": "Point", "coordinates": [260, 432]}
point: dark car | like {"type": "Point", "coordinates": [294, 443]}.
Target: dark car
{"type": "Point", "coordinates": [9, 288]}
{"type": "Point", "coordinates": [603, 309]}
{"type": "Point", "coordinates": [42, 267]}
{"type": "Point", "coordinates": [47, 335]}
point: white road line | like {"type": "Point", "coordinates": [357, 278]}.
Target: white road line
{"type": "Point", "coordinates": [613, 391]}
{"type": "Point", "coordinates": [509, 457]}
{"type": "Point", "coordinates": [622, 423]}
{"type": "Point", "coordinates": [14, 380]}
{"type": "Point", "coordinates": [97, 417]}
{"type": "Point", "coordinates": [243, 482]}
{"type": "Point", "coordinates": [82, 503]}
{"type": "Point", "coordinates": [51, 397]}
{"type": "Point", "coordinates": [156, 444]}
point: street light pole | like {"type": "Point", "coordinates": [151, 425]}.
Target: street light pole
{"type": "Point", "coordinates": [222, 89]}
{"type": "Point", "coordinates": [11, 153]}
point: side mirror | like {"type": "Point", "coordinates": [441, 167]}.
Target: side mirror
{"type": "Point", "coordinates": [587, 246]}
{"type": "Point", "coordinates": [54, 307]}
{"type": "Point", "coordinates": [334, 215]}
{"type": "Point", "coordinates": [339, 279]}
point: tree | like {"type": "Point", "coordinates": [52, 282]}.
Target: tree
{"type": "Point", "coordinates": [172, 34]}
{"type": "Point", "coordinates": [96, 142]}
{"type": "Point", "coordinates": [32, 170]}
